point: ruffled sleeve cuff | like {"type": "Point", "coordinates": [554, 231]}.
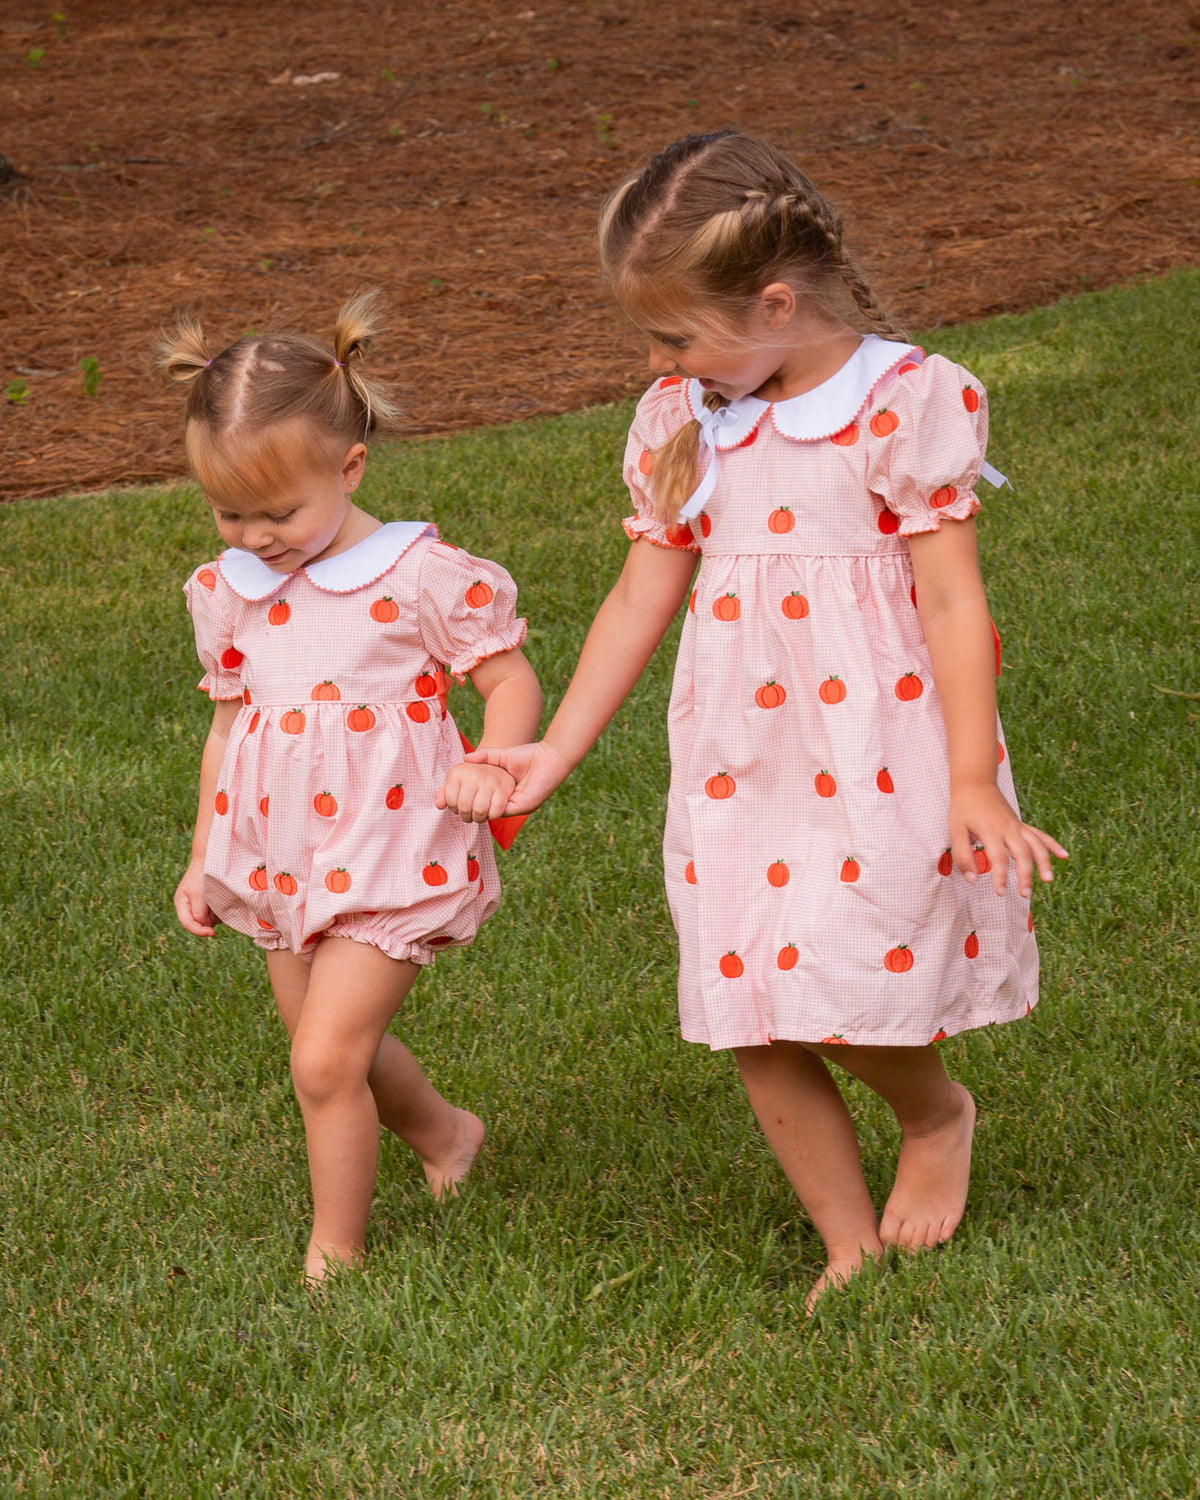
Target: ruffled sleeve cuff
{"type": "Point", "coordinates": [660, 414]}
{"type": "Point", "coordinates": [212, 622]}
{"type": "Point", "coordinates": [467, 609]}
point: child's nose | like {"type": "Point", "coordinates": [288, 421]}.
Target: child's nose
{"type": "Point", "coordinates": [255, 538]}
{"type": "Point", "coordinates": [661, 362]}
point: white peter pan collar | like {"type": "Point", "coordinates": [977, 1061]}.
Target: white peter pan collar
{"type": "Point", "coordinates": [366, 561]}
{"type": "Point", "coordinates": [814, 414]}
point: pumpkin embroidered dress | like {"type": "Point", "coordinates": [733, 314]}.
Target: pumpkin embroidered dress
{"type": "Point", "coordinates": [324, 821]}
{"type": "Point", "coordinates": [806, 833]}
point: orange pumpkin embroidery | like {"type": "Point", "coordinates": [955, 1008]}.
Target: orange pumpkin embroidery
{"type": "Point", "coordinates": [847, 437]}
{"type": "Point", "coordinates": [246, 697]}
{"type": "Point", "coordinates": [472, 867]}
{"type": "Point", "coordinates": [832, 690]}
{"type": "Point", "coordinates": [909, 687]}
{"type": "Point", "coordinates": [279, 613]}
{"type": "Point", "coordinates": [231, 658]}
{"type": "Point", "coordinates": [1029, 923]}
{"type": "Point", "coordinates": [385, 610]}
{"type": "Point", "coordinates": [781, 521]}
{"type": "Point", "coordinates": [434, 874]}
{"type": "Point", "coordinates": [727, 607]}
{"type": "Point", "coordinates": [253, 724]}
{"type": "Point", "coordinates": [680, 534]}
{"type": "Point", "coordinates": [692, 603]}
{"type": "Point", "coordinates": [778, 874]}
{"type": "Point", "coordinates": [907, 368]}
{"type": "Point", "coordinates": [795, 605]}
{"type": "Point", "coordinates": [264, 806]}
{"type": "Point", "coordinates": [982, 863]}
{"type": "Point", "coordinates": [946, 862]}
{"type": "Point", "coordinates": [731, 966]}
{"type": "Point", "coordinates": [292, 721]}
{"type": "Point", "coordinates": [970, 398]}
{"type": "Point", "coordinates": [285, 884]}
{"type": "Point", "coordinates": [898, 960]}
{"type": "Point", "coordinates": [325, 692]}
{"type": "Point", "coordinates": [836, 1040]}
{"type": "Point", "coordinates": [789, 957]}
{"type": "Point", "coordinates": [258, 878]}
{"type": "Point", "coordinates": [825, 784]}
{"type": "Point", "coordinates": [888, 522]}
{"type": "Point", "coordinates": [945, 495]}
{"type": "Point", "coordinates": [770, 695]}
{"type": "Point", "coordinates": [940, 1035]}
{"type": "Point", "coordinates": [479, 594]}
{"type": "Point", "coordinates": [689, 873]}
{"type": "Point", "coordinates": [337, 882]}
{"type": "Point", "coordinates": [221, 803]}
{"type": "Point", "coordinates": [646, 462]}
{"type": "Point", "coordinates": [884, 781]}
{"type": "Point", "coordinates": [705, 523]}
{"type": "Point", "coordinates": [884, 422]}
{"type": "Point", "coordinates": [1000, 752]}
{"type": "Point", "coordinates": [361, 719]}
{"type": "Point", "coordinates": [971, 946]}
{"type": "Point", "coordinates": [325, 804]}
{"type": "Point", "coordinates": [207, 579]}
{"type": "Point", "coordinates": [265, 925]}
{"type": "Point", "coordinates": [395, 797]}
{"type": "Point", "coordinates": [720, 786]}
{"type": "Point", "coordinates": [426, 685]}
{"type": "Point", "coordinates": [669, 380]}
{"type": "Point", "coordinates": [417, 712]}
{"type": "Point", "coordinates": [850, 870]}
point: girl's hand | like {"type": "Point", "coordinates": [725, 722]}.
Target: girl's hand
{"type": "Point", "coordinates": [191, 908]}
{"type": "Point", "coordinates": [538, 770]}
{"type": "Point", "coordinates": [476, 792]}
{"type": "Point", "coordinates": [982, 816]}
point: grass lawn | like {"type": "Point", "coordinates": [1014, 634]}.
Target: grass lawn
{"type": "Point", "coordinates": [614, 1307]}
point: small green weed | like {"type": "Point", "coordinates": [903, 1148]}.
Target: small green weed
{"type": "Point", "coordinates": [16, 392]}
{"type": "Point", "coordinates": [33, 58]}
{"type": "Point", "coordinates": [91, 375]}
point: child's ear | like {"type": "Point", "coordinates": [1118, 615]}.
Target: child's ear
{"type": "Point", "coordinates": [778, 303]}
{"type": "Point", "coordinates": [353, 465]}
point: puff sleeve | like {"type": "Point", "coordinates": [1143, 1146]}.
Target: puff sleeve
{"type": "Point", "coordinates": [660, 414]}
{"type": "Point", "coordinates": [209, 605]}
{"type": "Point", "coordinates": [467, 608]}
{"type": "Point", "coordinates": [928, 440]}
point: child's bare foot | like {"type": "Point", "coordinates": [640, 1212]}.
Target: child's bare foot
{"type": "Point", "coordinates": [837, 1273]}
{"type": "Point", "coordinates": [320, 1264]}
{"type": "Point", "coordinates": [929, 1195]}
{"type": "Point", "coordinates": [445, 1172]}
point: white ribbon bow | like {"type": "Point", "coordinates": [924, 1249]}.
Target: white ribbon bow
{"type": "Point", "coordinates": [711, 425]}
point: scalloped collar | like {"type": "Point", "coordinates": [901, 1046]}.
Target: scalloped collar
{"type": "Point", "coordinates": [814, 414]}
{"type": "Point", "coordinates": [342, 573]}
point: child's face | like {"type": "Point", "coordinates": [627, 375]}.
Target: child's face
{"type": "Point", "coordinates": [296, 516]}
{"type": "Point", "coordinates": [731, 358]}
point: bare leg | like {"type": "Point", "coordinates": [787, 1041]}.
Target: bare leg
{"type": "Point", "coordinates": [937, 1121]}
{"type": "Point", "coordinates": [342, 1060]}
{"type": "Point", "coordinates": [808, 1127]}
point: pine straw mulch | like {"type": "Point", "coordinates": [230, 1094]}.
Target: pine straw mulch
{"type": "Point", "coordinates": [988, 157]}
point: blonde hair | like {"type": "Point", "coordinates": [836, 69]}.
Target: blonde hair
{"type": "Point", "coordinates": [271, 397]}
{"type": "Point", "coordinates": [707, 225]}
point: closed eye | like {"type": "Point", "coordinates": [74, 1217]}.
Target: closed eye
{"type": "Point", "coordinates": [671, 340]}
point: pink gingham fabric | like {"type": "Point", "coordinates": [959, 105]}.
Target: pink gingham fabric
{"type": "Point", "coordinates": [324, 821]}
{"type": "Point", "coordinates": [806, 834]}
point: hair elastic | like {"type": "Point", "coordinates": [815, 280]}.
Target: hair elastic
{"type": "Point", "coordinates": [339, 364]}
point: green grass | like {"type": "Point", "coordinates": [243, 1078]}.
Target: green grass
{"type": "Point", "coordinates": [615, 1306]}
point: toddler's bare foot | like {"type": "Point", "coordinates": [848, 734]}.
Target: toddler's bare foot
{"type": "Point", "coordinates": [446, 1171]}
{"type": "Point", "coordinates": [929, 1195]}
{"type": "Point", "coordinates": [837, 1273]}
{"type": "Point", "coordinates": [320, 1264]}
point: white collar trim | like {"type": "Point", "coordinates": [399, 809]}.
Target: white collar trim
{"type": "Point", "coordinates": [814, 414]}
{"type": "Point", "coordinates": [343, 573]}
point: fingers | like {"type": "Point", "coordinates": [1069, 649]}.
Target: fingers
{"type": "Point", "coordinates": [194, 915]}
{"type": "Point", "coordinates": [476, 793]}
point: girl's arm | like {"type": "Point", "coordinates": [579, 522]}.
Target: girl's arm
{"type": "Point", "coordinates": [954, 614]}
{"type": "Point", "coordinates": [190, 906]}
{"type": "Point", "coordinates": [627, 629]}
{"type": "Point", "coordinates": [512, 711]}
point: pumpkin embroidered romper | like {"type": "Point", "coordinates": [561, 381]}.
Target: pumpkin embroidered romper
{"type": "Point", "coordinates": [325, 822]}
{"type": "Point", "coordinates": [806, 837]}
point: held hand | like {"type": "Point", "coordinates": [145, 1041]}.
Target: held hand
{"type": "Point", "coordinates": [982, 816]}
{"type": "Point", "coordinates": [191, 908]}
{"type": "Point", "coordinates": [538, 770]}
{"type": "Point", "coordinates": [476, 793]}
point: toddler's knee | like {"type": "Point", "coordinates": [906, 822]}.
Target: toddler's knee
{"type": "Point", "coordinates": [318, 1074]}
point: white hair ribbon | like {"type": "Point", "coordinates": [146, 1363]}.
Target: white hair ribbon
{"type": "Point", "coordinates": [993, 476]}
{"type": "Point", "coordinates": [711, 425]}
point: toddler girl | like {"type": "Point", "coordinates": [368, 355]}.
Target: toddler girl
{"type": "Point", "coordinates": [325, 638]}
{"type": "Point", "coordinates": [842, 833]}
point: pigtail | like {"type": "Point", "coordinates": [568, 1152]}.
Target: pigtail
{"type": "Point", "coordinates": [353, 331]}
{"type": "Point", "coordinates": [182, 351]}
{"type": "Point", "coordinates": [676, 471]}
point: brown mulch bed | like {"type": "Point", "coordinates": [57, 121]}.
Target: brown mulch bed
{"type": "Point", "coordinates": [988, 157]}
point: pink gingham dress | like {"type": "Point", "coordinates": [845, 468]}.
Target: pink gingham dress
{"type": "Point", "coordinates": [324, 822]}
{"type": "Point", "coordinates": [806, 839]}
